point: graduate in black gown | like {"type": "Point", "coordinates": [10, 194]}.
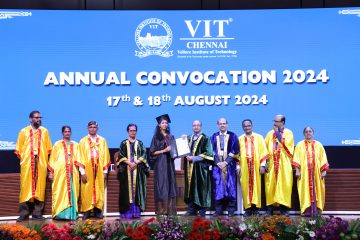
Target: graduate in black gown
{"type": "Point", "coordinates": [163, 151]}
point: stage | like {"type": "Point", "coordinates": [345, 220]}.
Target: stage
{"type": "Point", "coordinates": [342, 195]}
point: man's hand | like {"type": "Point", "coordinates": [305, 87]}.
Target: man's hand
{"type": "Point", "coordinates": [83, 178]}
{"type": "Point", "coordinates": [132, 165]}
{"type": "Point", "coordinates": [189, 158]}
{"type": "Point", "coordinates": [222, 165]}
{"type": "Point", "coordinates": [297, 173]}
{"type": "Point", "coordinates": [184, 136]}
{"type": "Point", "coordinates": [262, 170]}
{"type": "Point", "coordinates": [50, 176]}
{"type": "Point", "coordinates": [105, 179]}
{"type": "Point", "coordinates": [238, 171]}
{"type": "Point", "coordinates": [323, 174]}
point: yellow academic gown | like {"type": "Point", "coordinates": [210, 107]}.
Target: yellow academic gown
{"type": "Point", "coordinates": [62, 167]}
{"type": "Point", "coordinates": [279, 179]}
{"type": "Point", "coordinates": [94, 162]}
{"type": "Point", "coordinates": [310, 154]}
{"type": "Point", "coordinates": [30, 143]}
{"type": "Point", "coordinates": [253, 154]}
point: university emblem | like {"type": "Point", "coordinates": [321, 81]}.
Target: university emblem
{"type": "Point", "coordinates": [153, 36]}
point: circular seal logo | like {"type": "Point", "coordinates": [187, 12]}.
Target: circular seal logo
{"type": "Point", "coordinates": [153, 36]}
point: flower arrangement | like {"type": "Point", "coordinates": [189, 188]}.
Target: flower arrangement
{"type": "Point", "coordinates": [18, 232]}
{"type": "Point", "coordinates": [278, 227]}
{"type": "Point", "coordinates": [112, 230]}
{"type": "Point", "coordinates": [88, 229]}
{"type": "Point", "coordinates": [177, 228]}
{"type": "Point", "coordinates": [230, 228]}
{"type": "Point", "coordinates": [140, 231]}
{"type": "Point", "coordinates": [52, 232]}
{"type": "Point", "coordinates": [169, 228]}
{"type": "Point", "coordinates": [331, 228]}
{"type": "Point", "coordinates": [201, 229]}
{"type": "Point", "coordinates": [353, 230]}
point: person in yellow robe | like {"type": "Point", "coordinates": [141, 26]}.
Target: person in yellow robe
{"type": "Point", "coordinates": [311, 163]}
{"type": "Point", "coordinates": [252, 158]}
{"type": "Point", "coordinates": [94, 163]}
{"type": "Point", "coordinates": [65, 177]}
{"type": "Point", "coordinates": [279, 178]}
{"type": "Point", "coordinates": [33, 147]}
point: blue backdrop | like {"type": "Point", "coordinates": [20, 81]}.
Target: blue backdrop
{"type": "Point", "coordinates": [74, 66]}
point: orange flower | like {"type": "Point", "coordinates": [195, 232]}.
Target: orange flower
{"type": "Point", "coordinates": [26, 231]}
{"type": "Point", "coordinates": [267, 236]}
{"type": "Point", "coordinates": [20, 232]}
{"type": "Point", "coordinates": [288, 221]}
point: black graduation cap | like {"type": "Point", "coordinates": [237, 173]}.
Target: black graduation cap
{"type": "Point", "coordinates": [164, 116]}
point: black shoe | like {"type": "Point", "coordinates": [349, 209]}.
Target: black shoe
{"type": "Point", "coordinates": [99, 216]}
{"type": "Point", "coordinates": [269, 212]}
{"type": "Point", "coordinates": [98, 213]}
{"type": "Point", "coordinates": [37, 217]}
{"type": "Point", "coordinates": [22, 218]}
{"type": "Point", "coordinates": [284, 212]}
{"type": "Point", "coordinates": [187, 214]}
{"type": "Point", "coordinates": [216, 214]}
{"type": "Point", "coordinates": [86, 215]}
{"type": "Point", "coordinates": [247, 213]}
{"type": "Point", "coordinates": [202, 213]}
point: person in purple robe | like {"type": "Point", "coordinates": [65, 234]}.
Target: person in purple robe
{"type": "Point", "coordinates": [226, 148]}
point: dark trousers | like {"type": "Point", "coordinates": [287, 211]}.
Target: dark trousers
{"type": "Point", "coordinates": [225, 204]}
{"type": "Point", "coordinates": [95, 212]}
{"type": "Point", "coordinates": [36, 207]}
{"type": "Point", "coordinates": [194, 208]}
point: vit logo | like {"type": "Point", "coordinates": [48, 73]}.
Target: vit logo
{"type": "Point", "coordinates": [208, 28]}
{"type": "Point", "coordinates": [153, 36]}
{"type": "Point", "coordinates": [207, 34]}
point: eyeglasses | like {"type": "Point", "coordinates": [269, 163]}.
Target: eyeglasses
{"type": "Point", "coordinates": [38, 117]}
{"type": "Point", "coordinates": [277, 121]}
